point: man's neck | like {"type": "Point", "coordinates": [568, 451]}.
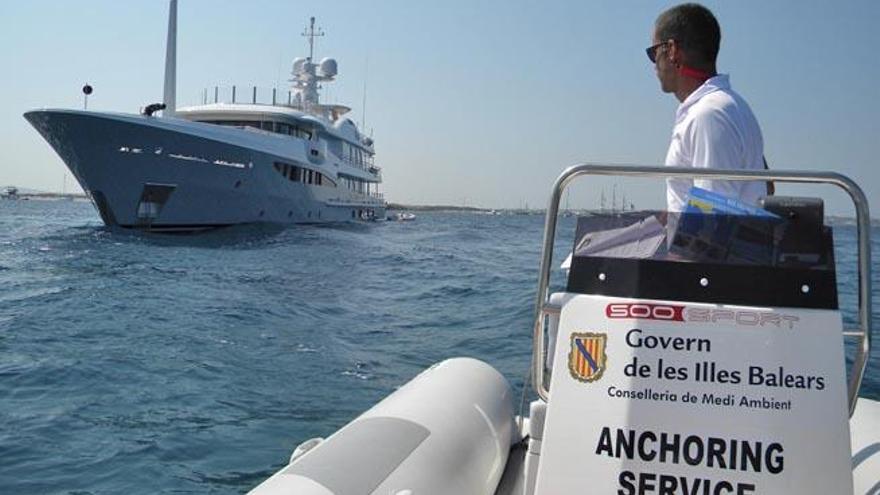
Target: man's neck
{"type": "Point", "coordinates": [687, 85]}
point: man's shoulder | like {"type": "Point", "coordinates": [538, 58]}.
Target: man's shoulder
{"type": "Point", "coordinates": [720, 107]}
{"type": "Point", "coordinates": [717, 102]}
{"type": "Point", "coordinates": [724, 101]}
{"type": "Point", "coordinates": [717, 111]}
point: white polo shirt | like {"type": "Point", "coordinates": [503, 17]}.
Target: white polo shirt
{"type": "Point", "coordinates": [715, 128]}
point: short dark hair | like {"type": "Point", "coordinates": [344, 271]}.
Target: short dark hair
{"type": "Point", "coordinates": [695, 29]}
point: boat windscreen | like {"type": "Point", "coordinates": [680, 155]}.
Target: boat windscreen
{"type": "Point", "coordinates": [734, 249]}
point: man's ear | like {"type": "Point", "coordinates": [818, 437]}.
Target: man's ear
{"type": "Point", "coordinates": [674, 54]}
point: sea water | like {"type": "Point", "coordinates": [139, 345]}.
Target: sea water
{"type": "Point", "coordinates": [135, 363]}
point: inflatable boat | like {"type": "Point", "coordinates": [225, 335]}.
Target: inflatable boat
{"type": "Point", "coordinates": [692, 353]}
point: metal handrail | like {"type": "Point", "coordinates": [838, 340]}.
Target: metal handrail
{"type": "Point", "coordinates": [863, 223]}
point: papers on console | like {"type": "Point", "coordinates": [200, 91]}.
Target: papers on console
{"type": "Point", "coordinates": [639, 240]}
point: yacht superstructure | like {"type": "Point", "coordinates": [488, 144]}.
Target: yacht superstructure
{"type": "Point", "coordinates": [240, 159]}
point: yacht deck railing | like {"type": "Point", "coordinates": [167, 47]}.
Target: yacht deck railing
{"type": "Point", "coordinates": [251, 95]}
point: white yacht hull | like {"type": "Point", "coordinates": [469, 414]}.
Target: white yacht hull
{"type": "Point", "coordinates": [171, 174]}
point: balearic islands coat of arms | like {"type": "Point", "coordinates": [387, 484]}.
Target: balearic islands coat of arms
{"type": "Point", "coordinates": [587, 359]}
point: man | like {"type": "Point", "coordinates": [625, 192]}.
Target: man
{"type": "Point", "coordinates": [714, 126]}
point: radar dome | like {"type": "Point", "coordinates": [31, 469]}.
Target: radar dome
{"type": "Point", "coordinates": [328, 67]}
{"type": "Point", "coordinates": [298, 64]}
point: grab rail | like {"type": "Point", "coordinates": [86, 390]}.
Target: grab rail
{"type": "Point", "coordinates": [863, 223]}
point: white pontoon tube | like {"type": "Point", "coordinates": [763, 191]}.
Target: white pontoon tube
{"type": "Point", "coordinates": [449, 430]}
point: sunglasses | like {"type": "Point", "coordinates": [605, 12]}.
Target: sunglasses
{"type": "Point", "coordinates": [652, 50]}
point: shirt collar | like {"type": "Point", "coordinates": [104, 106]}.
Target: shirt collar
{"type": "Point", "coordinates": [711, 85]}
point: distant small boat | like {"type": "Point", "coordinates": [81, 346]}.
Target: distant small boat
{"type": "Point", "coordinates": [11, 193]}
{"type": "Point", "coordinates": [402, 217]}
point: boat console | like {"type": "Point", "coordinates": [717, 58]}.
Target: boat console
{"type": "Point", "coordinates": [692, 352]}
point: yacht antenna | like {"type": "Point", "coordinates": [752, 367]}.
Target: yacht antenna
{"type": "Point", "coordinates": [87, 90]}
{"type": "Point", "coordinates": [311, 34]}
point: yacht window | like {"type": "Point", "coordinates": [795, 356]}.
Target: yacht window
{"type": "Point", "coordinates": [267, 126]}
{"type": "Point", "coordinates": [282, 128]}
{"type": "Point", "coordinates": [290, 172]}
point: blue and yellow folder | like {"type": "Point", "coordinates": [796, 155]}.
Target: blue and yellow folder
{"type": "Point", "coordinates": [718, 228]}
{"type": "Point", "coordinates": [711, 203]}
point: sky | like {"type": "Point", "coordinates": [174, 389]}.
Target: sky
{"type": "Point", "coordinates": [478, 103]}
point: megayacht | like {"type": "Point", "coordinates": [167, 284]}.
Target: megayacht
{"type": "Point", "coordinates": [243, 155]}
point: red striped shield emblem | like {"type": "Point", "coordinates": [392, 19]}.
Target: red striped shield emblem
{"type": "Point", "coordinates": [586, 361]}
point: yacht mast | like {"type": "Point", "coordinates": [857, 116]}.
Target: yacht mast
{"type": "Point", "coordinates": [311, 34]}
{"type": "Point", "coordinates": [170, 98]}
{"type": "Point", "coordinates": [613, 197]}
{"type": "Point", "coordinates": [364, 104]}
{"type": "Point", "coordinates": [307, 74]}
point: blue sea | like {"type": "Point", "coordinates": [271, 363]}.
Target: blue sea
{"type": "Point", "coordinates": [136, 363]}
